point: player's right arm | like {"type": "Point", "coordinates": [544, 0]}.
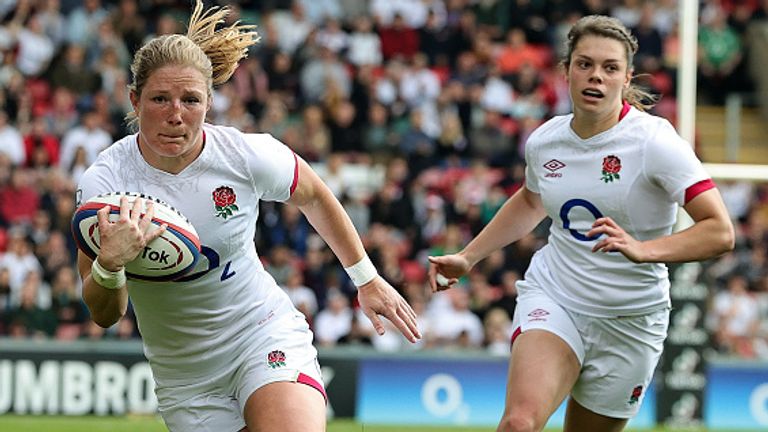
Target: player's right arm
{"type": "Point", "coordinates": [106, 306]}
{"type": "Point", "coordinates": [522, 212]}
{"type": "Point", "coordinates": [121, 241]}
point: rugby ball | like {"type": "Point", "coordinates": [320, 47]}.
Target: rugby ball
{"type": "Point", "coordinates": [168, 257]}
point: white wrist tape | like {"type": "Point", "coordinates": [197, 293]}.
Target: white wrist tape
{"type": "Point", "coordinates": [107, 279]}
{"type": "Point", "coordinates": [362, 272]}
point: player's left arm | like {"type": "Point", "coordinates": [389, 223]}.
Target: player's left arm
{"type": "Point", "coordinates": [711, 235]}
{"type": "Point", "coordinates": [327, 216]}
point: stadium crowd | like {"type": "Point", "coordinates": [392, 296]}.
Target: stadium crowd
{"type": "Point", "coordinates": [415, 112]}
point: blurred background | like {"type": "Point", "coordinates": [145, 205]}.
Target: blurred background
{"type": "Point", "coordinates": [416, 114]}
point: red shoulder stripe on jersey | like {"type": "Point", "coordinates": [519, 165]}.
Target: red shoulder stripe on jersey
{"type": "Point", "coordinates": [625, 106]}
{"type": "Point", "coordinates": [515, 334]}
{"type": "Point", "coordinates": [295, 173]}
{"type": "Point", "coordinates": [308, 380]}
{"type": "Point", "coordinates": [694, 190]}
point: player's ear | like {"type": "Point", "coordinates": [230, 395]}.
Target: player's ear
{"type": "Point", "coordinates": [628, 78]}
{"type": "Point", "coordinates": [134, 101]}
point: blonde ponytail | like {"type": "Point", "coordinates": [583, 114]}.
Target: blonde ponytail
{"type": "Point", "coordinates": [224, 47]}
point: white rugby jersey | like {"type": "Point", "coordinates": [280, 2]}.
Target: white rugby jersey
{"type": "Point", "coordinates": [201, 323]}
{"type": "Point", "coordinates": [637, 173]}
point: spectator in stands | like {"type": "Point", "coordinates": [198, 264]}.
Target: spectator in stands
{"type": "Point", "coordinates": [498, 331]}
{"type": "Point", "coordinates": [452, 143]}
{"type": "Point", "coordinates": [315, 136]}
{"type": "Point", "coordinates": [107, 40]}
{"type": "Point", "coordinates": [110, 71]}
{"type": "Point", "coordinates": [334, 321]}
{"type": "Point", "coordinates": [456, 325]}
{"type": "Point", "coordinates": [344, 129]}
{"type": "Point", "coordinates": [62, 115]}
{"type": "Point", "coordinates": [40, 231]}
{"type": "Point", "coordinates": [74, 74]}
{"type": "Point", "coordinates": [11, 141]}
{"type": "Point", "coordinates": [35, 48]}
{"type": "Point", "coordinates": [316, 272]}
{"type": "Point", "coordinates": [165, 24]}
{"type": "Point", "coordinates": [79, 164]}
{"type": "Point", "coordinates": [129, 24]}
{"type": "Point", "coordinates": [36, 321]}
{"type": "Point", "coordinates": [292, 27]}
{"type": "Point", "coordinates": [333, 37]}
{"type": "Point", "coordinates": [398, 40]}
{"type": "Point", "coordinates": [54, 255]}
{"type": "Point", "coordinates": [5, 295]}
{"type": "Point", "coordinates": [488, 140]}
{"type": "Point", "coordinates": [53, 21]}
{"type": "Point", "coordinates": [19, 259]}
{"type": "Point", "coordinates": [281, 263]}
{"type": "Point", "coordinates": [40, 146]}
{"type": "Point", "coordinates": [251, 82]}
{"type": "Point", "coordinates": [737, 318]}
{"type": "Point", "coordinates": [565, 322]}
{"type": "Point", "coordinates": [323, 77]}
{"type": "Point", "coordinates": [275, 116]}
{"type": "Point", "coordinates": [720, 54]}
{"type": "Point", "coordinates": [67, 304]}
{"type": "Point", "coordinates": [318, 11]}
{"type": "Point", "coordinates": [481, 294]}
{"type": "Point", "coordinates": [83, 22]}
{"type": "Point", "coordinates": [364, 44]}
{"type": "Point", "coordinates": [508, 299]}
{"type": "Point", "coordinates": [517, 52]}
{"type": "Point", "coordinates": [19, 199]}
{"type": "Point", "coordinates": [88, 136]}
{"type": "Point", "coordinates": [302, 297]}
{"type": "Point", "coordinates": [419, 85]}
{"type": "Point", "coordinates": [649, 38]}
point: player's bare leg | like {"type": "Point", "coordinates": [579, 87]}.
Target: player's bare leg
{"type": "Point", "coordinates": [542, 371]}
{"type": "Point", "coordinates": [578, 418]}
{"type": "Point", "coordinates": [285, 407]}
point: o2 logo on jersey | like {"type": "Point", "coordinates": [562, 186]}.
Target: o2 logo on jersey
{"type": "Point", "coordinates": [566, 209]}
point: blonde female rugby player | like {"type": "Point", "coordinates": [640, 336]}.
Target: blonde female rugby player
{"type": "Point", "coordinates": [228, 350]}
{"type": "Point", "coordinates": [593, 307]}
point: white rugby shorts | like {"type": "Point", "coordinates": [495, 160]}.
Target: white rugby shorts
{"type": "Point", "coordinates": [618, 356]}
{"type": "Point", "coordinates": [283, 352]}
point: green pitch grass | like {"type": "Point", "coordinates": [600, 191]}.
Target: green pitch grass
{"type": "Point", "coordinates": [12, 423]}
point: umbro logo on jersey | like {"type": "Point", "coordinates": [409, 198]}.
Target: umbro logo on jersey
{"type": "Point", "coordinates": [538, 315]}
{"type": "Point", "coordinates": [553, 165]}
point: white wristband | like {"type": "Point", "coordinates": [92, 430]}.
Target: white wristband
{"type": "Point", "coordinates": [362, 272]}
{"type": "Point", "coordinates": [107, 279]}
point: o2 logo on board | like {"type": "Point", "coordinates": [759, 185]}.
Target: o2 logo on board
{"type": "Point", "coordinates": [443, 396]}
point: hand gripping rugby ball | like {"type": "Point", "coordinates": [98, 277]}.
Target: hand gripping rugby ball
{"type": "Point", "coordinates": [168, 257]}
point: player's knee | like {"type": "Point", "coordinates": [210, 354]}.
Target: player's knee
{"type": "Point", "coordinates": [519, 422]}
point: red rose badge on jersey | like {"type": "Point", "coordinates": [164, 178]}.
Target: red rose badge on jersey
{"type": "Point", "coordinates": [276, 359]}
{"type": "Point", "coordinates": [611, 168]}
{"type": "Point", "coordinates": [635, 396]}
{"type": "Point", "coordinates": [224, 200]}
